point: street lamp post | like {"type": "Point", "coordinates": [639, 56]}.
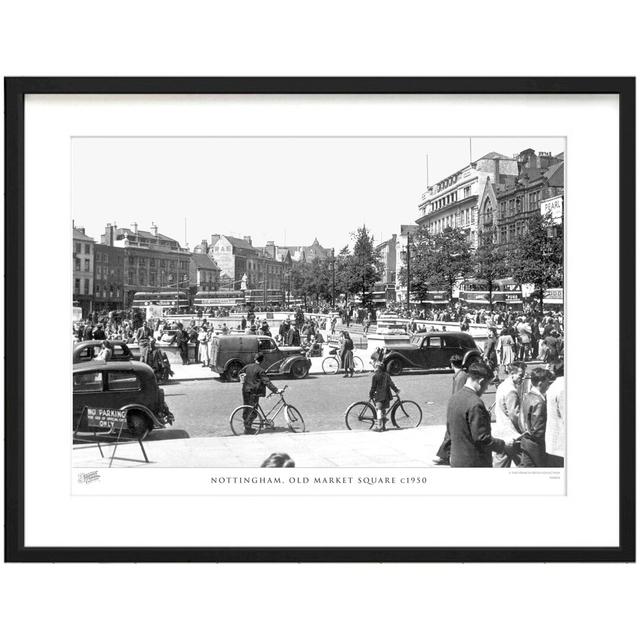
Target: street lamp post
{"type": "Point", "coordinates": [333, 277]}
{"type": "Point", "coordinates": [408, 254]}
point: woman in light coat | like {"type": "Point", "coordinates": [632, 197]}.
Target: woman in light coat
{"type": "Point", "coordinates": [505, 349]}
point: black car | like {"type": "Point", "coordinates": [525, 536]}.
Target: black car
{"type": "Point", "coordinates": [426, 351]}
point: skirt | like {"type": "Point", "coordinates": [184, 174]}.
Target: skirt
{"type": "Point", "coordinates": [347, 360]}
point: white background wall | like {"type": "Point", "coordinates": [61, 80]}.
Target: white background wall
{"type": "Point", "coordinates": [331, 38]}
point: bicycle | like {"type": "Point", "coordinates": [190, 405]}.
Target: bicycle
{"type": "Point", "coordinates": [331, 364]}
{"type": "Point", "coordinates": [405, 414]}
{"type": "Point", "coordinates": [256, 420]}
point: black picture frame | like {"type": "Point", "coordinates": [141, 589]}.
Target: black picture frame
{"type": "Point", "coordinates": [15, 91]}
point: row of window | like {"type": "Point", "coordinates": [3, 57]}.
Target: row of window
{"type": "Point", "coordinates": [105, 292]}
{"type": "Point", "coordinates": [462, 218]}
{"type": "Point", "coordinates": [78, 248]}
{"type": "Point", "coordinates": [155, 279]}
{"type": "Point", "coordinates": [103, 272]}
{"type": "Point", "coordinates": [104, 257]}
{"type": "Point", "coordinates": [77, 264]}
{"type": "Point", "coordinates": [515, 205]}
{"type": "Point", "coordinates": [163, 264]}
{"type": "Point", "coordinates": [77, 283]}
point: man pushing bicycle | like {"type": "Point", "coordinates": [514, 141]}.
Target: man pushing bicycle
{"type": "Point", "coordinates": [254, 386]}
{"type": "Point", "coordinates": [380, 393]}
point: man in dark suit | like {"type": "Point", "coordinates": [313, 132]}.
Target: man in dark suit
{"type": "Point", "coordinates": [459, 379]}
{"type": "Point", "coordinates": [534, 418]}
{"type": "Point", "coordinates": [254, 386]}
{"type": "Point", "coordinates": [469, 422]}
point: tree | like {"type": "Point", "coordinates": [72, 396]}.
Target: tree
{"type": "Point", "coordinates": [537, 256]}
{"type": "Point", "coordinates": [366, 264]}
{"type": "Point", "coordinates": [421, 263]}
{"type": "Point", "coordinates": [490, 264]}
{"type": "Point", "coordinates": [452, 259]}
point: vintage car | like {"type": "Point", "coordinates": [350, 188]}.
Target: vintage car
{"type": "Point", "coordinates": [129, 386]}
{"type": "Point", "coordinates": [426, 351]}
{"type": "Point", "coordinates": [230, 353]}
{"type": "Point", "coordinates": [89, 349]}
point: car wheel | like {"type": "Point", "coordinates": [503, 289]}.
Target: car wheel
{"type": "Point", "coordinates": [138, 425]}
{"type": "Point", "coordinates": [394, 367]}
{"type": "Point", "coordinates": [232, 374]}
{"type": "Point", "coordinates": [299, 370]}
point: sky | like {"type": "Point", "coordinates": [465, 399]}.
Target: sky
{"type": "Point", "coordinates": [289, 190]}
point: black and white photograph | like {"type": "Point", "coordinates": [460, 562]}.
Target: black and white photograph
{"type": "Point", "coordinates": [346, 303]}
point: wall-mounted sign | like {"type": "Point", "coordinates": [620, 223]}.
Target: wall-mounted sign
{"type": "Point", "coordinates": [552, 207]}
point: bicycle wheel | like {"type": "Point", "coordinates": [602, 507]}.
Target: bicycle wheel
{"type": "Point", "coordinates": [406, 414]}
{"type": "Point", "coordinates": [358, 365]}
{"type": "Point", "coordinates": [330, 365]}
{"type": "Point", "coordinates": [360, 415]}
{"type": "Point", "coordinates": [254, 422]}
{"type": "Point", "coordinates": [294, 419]}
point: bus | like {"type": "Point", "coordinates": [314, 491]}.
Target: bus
{"type": "Point", "coordinates": [257, 296]}
{"type": "Point", "coordinates": [167, 298]}
{"type": "Point", "coordinates": [205, 299]}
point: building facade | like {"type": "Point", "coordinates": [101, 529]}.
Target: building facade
{"type": "Point", "coordinates": [152, 261]}
{"type": "Point", "coordinates": [82, 256]}
{"type": "Point", "coordinates": [504, 209]}
{"type": "Point", "coordinates": [108, 278]}
{"type": "Point", "coordinates": [204, 273]}
{"type": "Point", "coordinates": [453, 201]}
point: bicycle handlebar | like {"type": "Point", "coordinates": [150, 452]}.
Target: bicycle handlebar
{"type": "Point", "coordinates": [273, 393]}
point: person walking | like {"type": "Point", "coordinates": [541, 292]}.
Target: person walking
{"type": "Point", "coordinates": [346, 354]}
{"type": "Point", "coordinates": [203, 346]}
{"type": "Point", "coordinates": [380, 393]}
{"type": "Point", "coordinates": [507, 409]}
{"type": "Point", "coordinates": [534, 417]}
{"type": "Point", "coordinates": [469, 422]}
{"type": "Point", "coordinates": [505, 349]}
{"type": "Point", "coordinates": [182, 341]}
{"type": "Point", "coordinates": [459, 379]}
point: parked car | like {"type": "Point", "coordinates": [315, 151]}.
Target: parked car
{"type": "Point", "coordinates": [230, 353]}
{"type": "Point", "coordinates": [89, 349]}
{"type": "Point", "coordinates": [126, 385]}
{"type": "Point", "coordinates": [430, 350]}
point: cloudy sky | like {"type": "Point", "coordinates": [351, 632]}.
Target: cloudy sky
{"type": "Point", "coordinates": [288, 190]}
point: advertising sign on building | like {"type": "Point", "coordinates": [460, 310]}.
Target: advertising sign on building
{"type": "Point", "coordinates": [552, 207]}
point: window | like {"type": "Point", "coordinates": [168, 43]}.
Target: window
{"type": "Point", "coordinates": [87, 264]}
{"type": "Point", "coordinates": [98, 257]}
{"type": "Point", "coordinates": [87, 248]}
{"type": "Point", "coordinates": [435, 342]}
{"type": "Point", "coordinates": [87, 382]}
{"type": "Point", "coordinates": [78, 247]}
{"type": "Point", "coordinates": [77, 264]}
{"type": "Point", "coordinates": [86, 286]}
{"type": "Point", "coordinates": [152, 278]}
{"type": "Point", "coordinates": [122, 381]}
{"type": "Point", "coordinates": [518, 205]}
{"type": "Point", "coordinates": [152, 262]}
{"type": "Point", "coordinates": [467, 192]}
{"type": "Point", "coordinates": [97, 290]}
{"type": "Point", "coordinates": [76, 285]}
{"type": "Point", "coordinates": [130, 277]}
{"type": "Point", "coordinates": [265, 345]}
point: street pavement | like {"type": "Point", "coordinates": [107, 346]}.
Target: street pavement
{"type": "Point", "coordinates": [393, 448]}
{"type": "Point", "coordinates": [202, 407]}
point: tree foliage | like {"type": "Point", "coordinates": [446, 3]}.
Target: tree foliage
{"type": "Point", "coordinates": [537, 256]}
{"type": "Point", "coordinates": [490, 264]}
{"type": "Point", "coordinates": [359, 269]}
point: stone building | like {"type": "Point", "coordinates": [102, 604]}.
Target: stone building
{"type": "Point", "coordinates": [506, 208]}
{"type": "Point", "coordinates": [151, 261]}
{"type": "Point", "coordinates": [453, 201]}
{"type": "Point", "coordinates": [82, 257]}
{"type": "Point", "coordinates": [108, 277]}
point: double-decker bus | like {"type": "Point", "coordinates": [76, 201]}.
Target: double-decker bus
{"type": "Point", "coordinates": [206, 299]}
{"type": "Point", "coordinates": [167, 298]}
{"type": "Point", "coordinates": [257, 296]}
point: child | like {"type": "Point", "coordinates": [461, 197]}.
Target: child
{"type": "Point", "coordinates": [380, 393]}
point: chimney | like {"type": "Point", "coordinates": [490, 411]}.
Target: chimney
{"type": "Point", "coordinates": [134, 226]}
{"type": "Point", "coordinates": [154, 228]}
{"type": "Point", "coordinates": [247, 239]}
